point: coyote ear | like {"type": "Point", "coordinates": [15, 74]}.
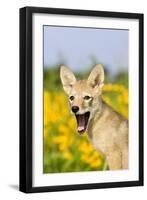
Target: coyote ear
{"type": "Point", "coordinates": [96, 77]}
{"type": "Point", "coordinates": [68, 79]}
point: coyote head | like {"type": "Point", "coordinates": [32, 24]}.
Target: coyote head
{"type": "Point", "coordinates": [84, 95]}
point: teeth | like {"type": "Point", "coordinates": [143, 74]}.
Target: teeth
{"type": "Point", "coordinates": [81, 128]}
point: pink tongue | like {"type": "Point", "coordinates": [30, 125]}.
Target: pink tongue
{"type": "Point", "coordinates": [81, 124]}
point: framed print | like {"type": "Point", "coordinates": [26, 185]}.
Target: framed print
{"type": "Point", "coordinates": [81, 99]}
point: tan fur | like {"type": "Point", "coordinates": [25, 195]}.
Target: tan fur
{"type": "Point", "coordinates": [107, 129]}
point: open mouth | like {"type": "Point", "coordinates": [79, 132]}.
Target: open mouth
{"type": "Point", "coordinates": [82, 121]}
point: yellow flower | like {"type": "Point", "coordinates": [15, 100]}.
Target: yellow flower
{"type": "Point", "coordinates": [107, 99]}
{"type": "Point", "coordinates": [113, 88]}
{"type": "Point", "coordinates": [96, 163]}
{"type": "Point", "coordinates": [93, 160]}
{"type": "Point", "coordinates": [125, 97]}
{"type": "Point", "coordinates": [107, 87]}
{"type": "Point", "coordinates": [89, 155]}
{"type": "Point", "coordinates": [46, 131]}
{"type": "Point", "coordinates": [63, 142]}
{"type": "Point", "coordinates": [96, 155]}
{"type": "Point", "coordinates": [85, 158]}
{"type": "Point", "coordinates": [63, 129]}
{"type": "Point", "coordinates": [72, 122]}
{"type": "Point", "coordinates": [85, 147]}
{"type": "Point", "coordinates": [67, 155]}
{"type": "Point", "coordinates": [62, 146]}
{"type": "Point", "coordinates": [46, 107]}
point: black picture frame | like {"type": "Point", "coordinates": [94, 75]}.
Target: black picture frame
{"type": "Point", "coordinates": [26, 91]}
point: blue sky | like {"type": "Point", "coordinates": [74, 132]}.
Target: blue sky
{"type": "Point", "coordinates": [77, 46]}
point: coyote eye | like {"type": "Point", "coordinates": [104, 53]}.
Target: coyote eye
{"type": "Point", "coordinates": [87, 97]}
{"type": "Point", "coordinates": [71, 98]}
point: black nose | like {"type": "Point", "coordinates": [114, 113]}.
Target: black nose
{"type": "Point", "coordinates": [75, 109]}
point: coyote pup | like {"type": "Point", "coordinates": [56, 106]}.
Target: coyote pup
{"type": "Point", "coordinates": [107, 130]}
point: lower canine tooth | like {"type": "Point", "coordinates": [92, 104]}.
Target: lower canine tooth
{"type": "Point", "coordinates": [81, 128]}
